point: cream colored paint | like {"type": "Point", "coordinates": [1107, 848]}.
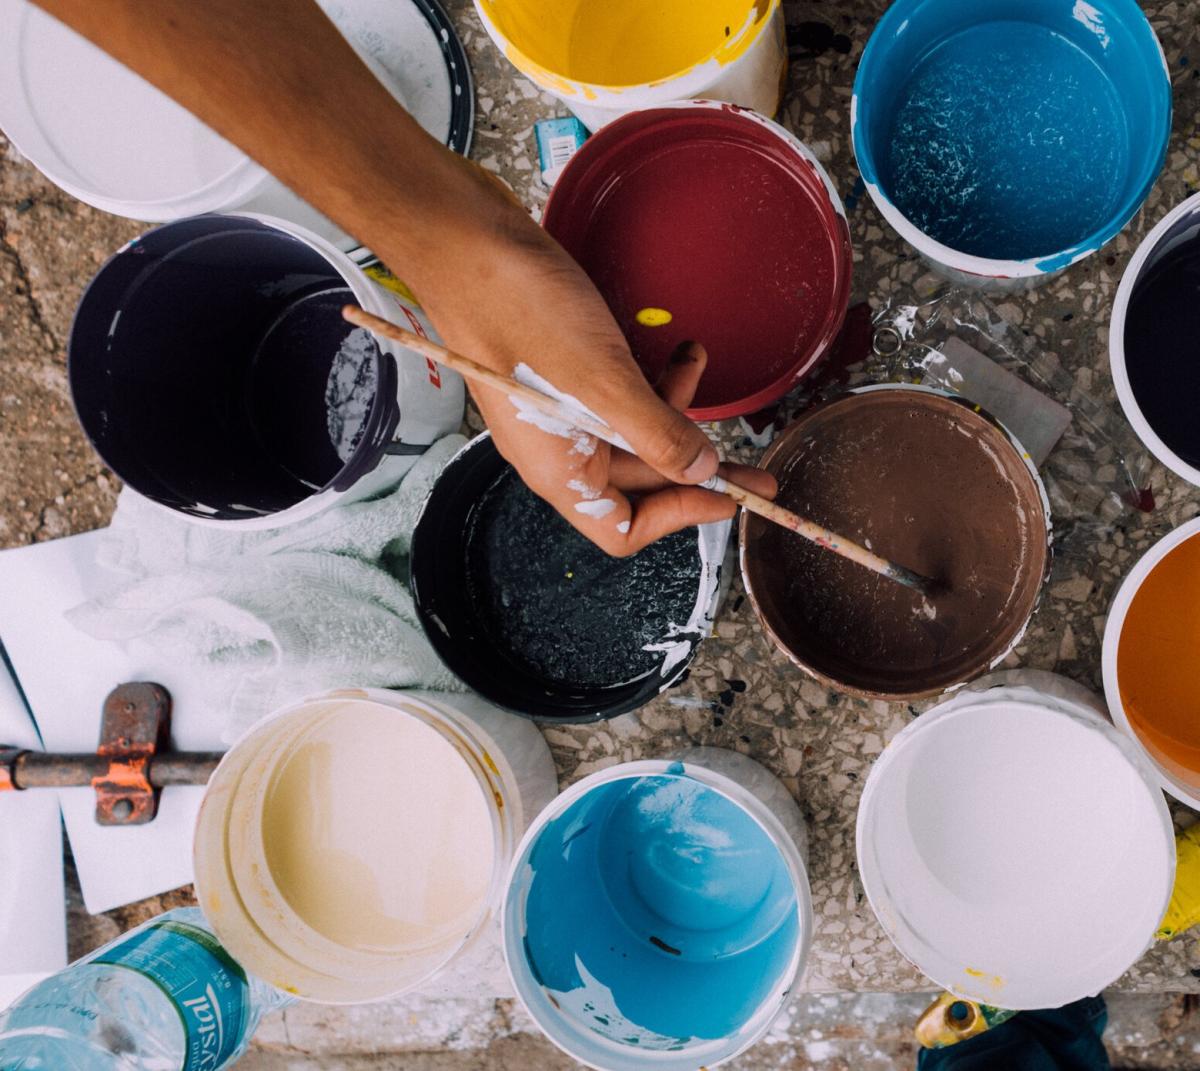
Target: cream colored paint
{"type": "Point", "coordinates": [377, 833]}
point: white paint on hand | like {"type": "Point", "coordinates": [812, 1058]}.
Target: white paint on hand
{"type": "Point", "coordinates": [526, 376]}
{"type": "Point", "coordinates": [584, 490]}
{"type": "Point", "coordinates": [623, 527]}
{"type": "Point", "coordinates": [600, 507]}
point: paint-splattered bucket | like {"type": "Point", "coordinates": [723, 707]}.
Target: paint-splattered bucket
{"type": "Point", "coordinates": [1014, 845]}
{"type": "Point", "coordinates": [1150, 656]}
{"type": "Point", "coordinates": [211, 368]}
{"type": "Point", "coordinates": [352, 845]}
{"type": "Point", "coordinates": [1151, 341]}
{"type": "Point", "coordinates": [928, 480]}
{"type": "Point", "coordinates": [704, 222]}
{"type": "Point", "coordinates": [658, 912]}
{"type": "Point", "coordinates": [107, 137]}
{"type": "Point", "coordinates": [604, 58]}
{"type": "Point", "coordinates": [1007, 139]}
{"type": "Point", "coordinates": [477, 620]}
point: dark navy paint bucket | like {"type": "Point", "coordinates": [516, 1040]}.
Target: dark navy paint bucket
{"type": "Point", "coordinates": [211, 368]}
{"type": "Point", "coordinates": [476, 642]}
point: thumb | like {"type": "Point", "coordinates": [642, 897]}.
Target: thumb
{"type": "Point", "coordinates": [661, 436]}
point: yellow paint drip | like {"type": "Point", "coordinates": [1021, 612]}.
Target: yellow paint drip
{"type": "Point", "coordinates": [1183, 912]}
{"type": "Point", "coordinates": [651, 317]}
{"type": "Point", "coordinates": [616, 43]}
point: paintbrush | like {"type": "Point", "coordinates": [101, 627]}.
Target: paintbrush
{"type": "Point", "coordinates": [571, 416]}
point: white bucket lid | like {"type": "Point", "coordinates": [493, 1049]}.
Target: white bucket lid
{"type": "Point", "coordinates": [1015, 848]}
{"type": "Point", "coordinates": [108, 137]}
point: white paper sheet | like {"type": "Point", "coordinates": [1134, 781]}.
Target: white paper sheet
{"type": "Point", "coordinates": [66, 676]}
{"type": "Point", "coordinates": [33, 931]}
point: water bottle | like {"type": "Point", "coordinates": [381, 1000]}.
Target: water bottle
{"type": "Point", "coordinates": [163, 997]}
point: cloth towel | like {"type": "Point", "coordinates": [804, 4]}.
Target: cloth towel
{"type": "Point", "coordinates": [265, 618]}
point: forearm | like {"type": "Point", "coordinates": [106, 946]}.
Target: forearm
{"type": "Point", "coordinates": [277, 79]}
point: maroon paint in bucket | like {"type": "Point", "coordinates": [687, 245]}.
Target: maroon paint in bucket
{"type": "Point", "coordinates": [724, 220]}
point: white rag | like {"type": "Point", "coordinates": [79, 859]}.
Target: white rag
{"type": "Point", "coordinates": [265, 618]}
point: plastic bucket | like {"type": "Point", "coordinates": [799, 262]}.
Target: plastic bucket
{"type": "Point", "coordinates": [700, 221]}
{"type": "Point", "coordinates": [1149, 659]}
{"type": "Point", "coordinates": [925, 479]}
{"type": "Point", "coordinates": [604, 58]}
{"type": "Point", "coordinates": [114, 141]}
{"type": "Point", "coordinates": [1007, 139]}
{"type": "Point", "coordinates": [1015, 846]}
{"type": "Point", "coordinates": [537, 619]}
{"type": "Point", "coordinates": [211, 368]}
{"type": "Point", "coordinates": [1157, 305]}
{"type": "Point", "coordinates": [354, 844]}
{"type": "Point", "coordinates": [658, 912]}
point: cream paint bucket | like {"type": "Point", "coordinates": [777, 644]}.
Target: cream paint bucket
{"type": "Point", "coordinates": [354, 844]}
{"type": "Point", "coordinates": [1014, 845]}
{"type": "Point", "coordinates": [604, 58]}
{"type": "Point", "coordinates": [658, 912]}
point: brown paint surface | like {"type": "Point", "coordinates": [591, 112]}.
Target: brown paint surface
{"type": "Point", "coordinates": [928, 483]}
{"type": "Point", "coordinates": [1158, 660]}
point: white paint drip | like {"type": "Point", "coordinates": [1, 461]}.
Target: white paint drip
{"type": "Point", "coordinates": [584, 490]}
{"type": "Point", "coordinates": [526, 376]}
{"type": "Point", "coordinates": [600, 507]}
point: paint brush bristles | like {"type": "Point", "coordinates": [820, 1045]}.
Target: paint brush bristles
{"type": "Point", "coordinates": [556, 410]}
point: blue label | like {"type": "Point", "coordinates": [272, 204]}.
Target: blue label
{"type": "Point", "coordinates": [207, 988]}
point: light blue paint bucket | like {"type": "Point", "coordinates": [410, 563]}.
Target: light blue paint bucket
{"type": "Point", "coordinates": [1007, 139]}
{"type": "Point", "coordinates": [658, 912]}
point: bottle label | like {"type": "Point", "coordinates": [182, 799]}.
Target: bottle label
{"type": "Point", "coordinates": [207, 988]}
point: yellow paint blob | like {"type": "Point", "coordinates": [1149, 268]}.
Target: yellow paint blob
{"type": "Point", "coordinates": [625, 42]}
{"type": "Point", "coordinates": [377, 834]}
{"type": "Point", "coordinates": [1184, 910]}
{"type": "Point", "coordinates": [653, 317]}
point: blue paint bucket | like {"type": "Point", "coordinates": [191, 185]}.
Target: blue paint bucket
{"type": "Point", "coordinates": [1007, 139]}
{"type": "Point", "coordinates": [658, 912]}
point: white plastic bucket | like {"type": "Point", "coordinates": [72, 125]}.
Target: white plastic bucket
{"type": "Point", "coordinates": [1179, 227]}
{"type": "Point", "coordinates": [743, 60]}
{"type": "Point", "coordinates": [658, 912]}
{"type": "Point", "coordinates": [114, 141]}
{"type": "Point", "coordinates": [1176, 779]}
{"type": "Point", "coordinates": [1014, 845]}
{"type": "Point", "coordinates": [340, 918]}
{"type": "Point", "coordinates": [167, 353]}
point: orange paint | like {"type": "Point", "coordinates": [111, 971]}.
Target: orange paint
{"type": "Point", "coordinates": [1158, 659]}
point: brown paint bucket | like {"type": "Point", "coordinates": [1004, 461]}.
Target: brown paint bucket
{"type": "Point", "coordinates": [927, 480]}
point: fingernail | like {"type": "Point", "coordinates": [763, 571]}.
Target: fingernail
{"type": "Point", "coordinates": [703, 466]}
{"type": "Point", "coordinates": [682, 354]}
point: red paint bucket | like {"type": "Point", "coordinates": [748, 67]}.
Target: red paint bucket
{"type": "Point", "coordinates": [726, 222]}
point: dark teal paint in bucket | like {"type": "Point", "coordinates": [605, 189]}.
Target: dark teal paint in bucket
{"type": "Point", "coordinates": [1014, 130]}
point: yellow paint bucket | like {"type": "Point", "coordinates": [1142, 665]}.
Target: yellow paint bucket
{"type": "Point", "coordinates": [604, 58]}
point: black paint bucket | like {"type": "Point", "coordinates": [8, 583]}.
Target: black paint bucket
{"type": "Point", "coordinates": [535, 618]}
{"type": "Point", "coordinates": [212, 370]}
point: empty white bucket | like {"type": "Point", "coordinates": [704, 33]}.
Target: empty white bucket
{"type": "Point", "coordinates": [658, 912]}
{"type": "Point", "coordinates": [1014, 845]}
{"type": "Point", "coordinates": [352, 845]}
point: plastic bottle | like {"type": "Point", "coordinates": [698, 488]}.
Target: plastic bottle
{"type": "Point", "coordinates": [163, 997]}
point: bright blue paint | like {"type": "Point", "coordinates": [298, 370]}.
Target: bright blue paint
{"type": "Point", "coordinates": [1013, 129]}
{"type": "Point", "coordinates": [660, 857]}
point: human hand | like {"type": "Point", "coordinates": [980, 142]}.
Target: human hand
{"type": "Point", "coordinates": [507, 295]}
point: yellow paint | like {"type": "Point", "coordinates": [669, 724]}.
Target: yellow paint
{"type": "Point", "coordinates": [994, 980]}
{"type": "Point", "coordinates": [651, 317]}
{"type": "Point", "coordinates": [568, 45]}
{"type": "Point", "coordinates": [377, 834]}
{"type": "Point", "coordinates": [1183, 912]}
{"type": "Point", "coordinates": [388, 281]}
